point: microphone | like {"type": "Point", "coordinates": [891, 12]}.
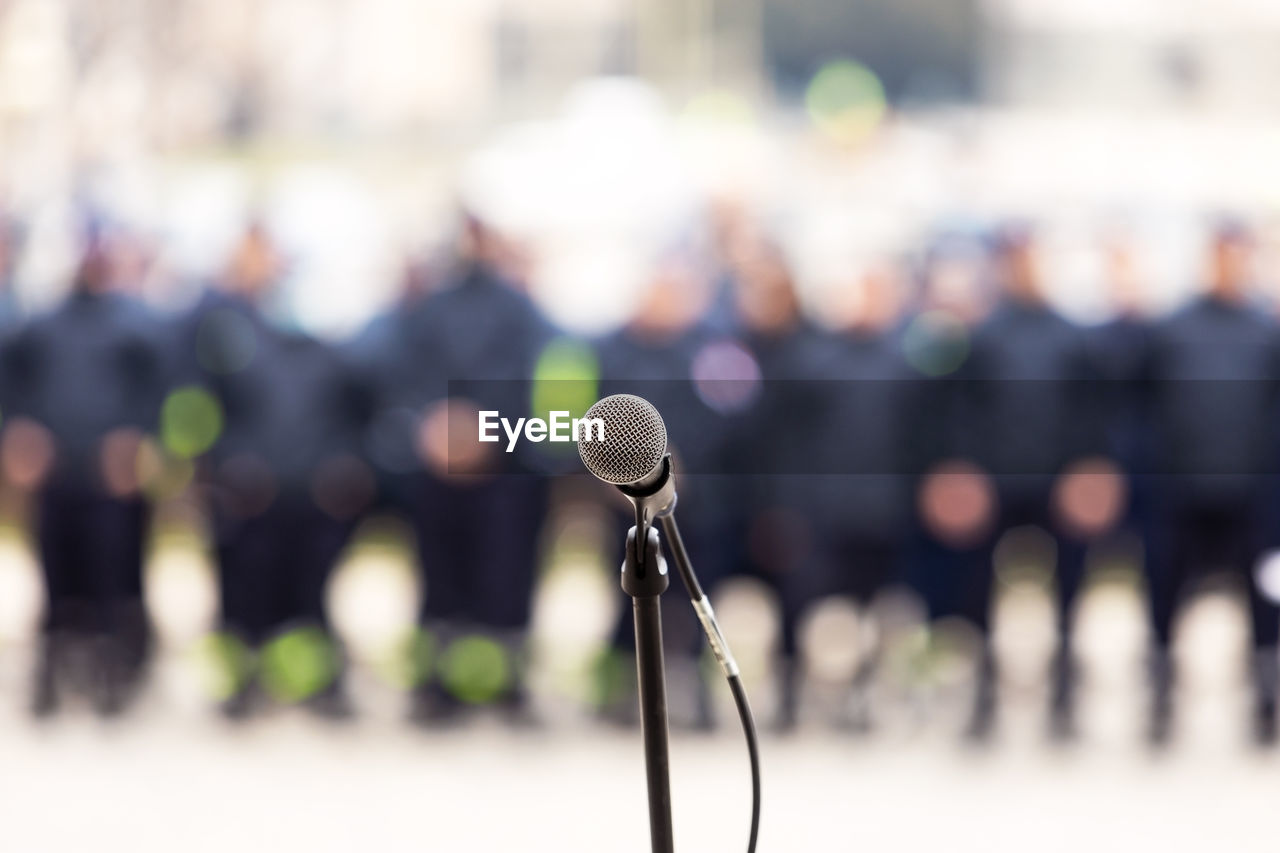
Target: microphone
{"type": "Point", "coordinates": [633, 443]}
{"type": "Point", "coordinates": [632, 456]}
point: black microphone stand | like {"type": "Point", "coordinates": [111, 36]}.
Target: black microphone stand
{"type": "Point", "coordinates": [644, 578]}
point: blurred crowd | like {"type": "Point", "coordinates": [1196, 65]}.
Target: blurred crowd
{"type": "Point", "coordinates": [891, 440]}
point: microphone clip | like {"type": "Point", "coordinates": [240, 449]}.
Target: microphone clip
{"type": "Point", "coordinates": [651, 501]}
{"type": "Point", "coordinates": [644, 572]}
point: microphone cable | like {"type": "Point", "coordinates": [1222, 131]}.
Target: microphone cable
{"type": "Point", "coordinates": [720, 648]}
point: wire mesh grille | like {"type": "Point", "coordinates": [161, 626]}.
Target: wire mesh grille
{"type": "Point", "coordinates": [635, 438]}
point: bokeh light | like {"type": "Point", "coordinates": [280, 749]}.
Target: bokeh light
{"type": "Point", "coordinates": [846, 101]}
{"type": "Point", "coordinates": [936, 343]}
{"type": "Point", "coordinates": [298, 664]}
{"type": "Point", "coordinates": [190, 421]}
{"type": "Point", "coordinates": [476, 669]}
{"type": "Point", "coordinates": [228, 664]}
{"type": "Point", "coordinates": [726, 376]}
{"type": "Point", "coordinates": [565, 379]}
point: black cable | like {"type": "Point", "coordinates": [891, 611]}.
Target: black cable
{"type": "Point", "coordinates": [684, 568]}
{"type": "Point", "coordinates": [753, 752]}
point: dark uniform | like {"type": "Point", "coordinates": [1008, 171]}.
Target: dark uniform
{"type": "Point", "coordinates": [1035, 409]}
{"type": "Point", "coordinates": [777, 507]}
{"type": "Point", "coordinates": [91, 369]}
{"type": "Point", "coordinates": [285, 482]}
{"type": "Point", "coordinates": [862, 507]}
{"type": "Point", "coordinates": [1119, 352]}
{"type": "Point", "coordinates": [477, 532]}
{"type": "Point", "coordinates": [943, 566]}
{"type": "Point", "coordinates": [945, 571]}
{"type": "Point", "coordinates": [1210, 386]}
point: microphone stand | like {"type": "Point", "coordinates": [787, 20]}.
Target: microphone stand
{"type": "Point", "coordinates": [644, 578]}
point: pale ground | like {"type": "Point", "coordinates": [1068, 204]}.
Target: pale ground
{"type": "Point", "coordinates": [174, 778]}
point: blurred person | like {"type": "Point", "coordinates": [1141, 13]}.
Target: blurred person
{"type": "Point", "coordinates": [85, 383]}
{"type": "Point", "coordinates": [391, 445]}
{"type": "Point", "coordinates": [953, 499]}
{"type": "Point", "coordinates": [732, 235]}
{"type": "Point", "coordinates": [477, 513]}
{"type": "Point", "coordinates": [1209, 380]}
{"type": "Point", "coordinates": [1040, 432]}
{"type": "Point", "coordinates": [776, 508]}
{"type": "Point", "coordinates": [656, 356]}
{"type": "Point", "coordinates": [863, 505]}
{"type": "Point", "coordinates": [1120, 346]}
{"type": "Point", "coordinates": [284, 480]}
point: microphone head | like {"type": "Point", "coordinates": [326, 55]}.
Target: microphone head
{"type": "Point", "coordinates": [635, 440]}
